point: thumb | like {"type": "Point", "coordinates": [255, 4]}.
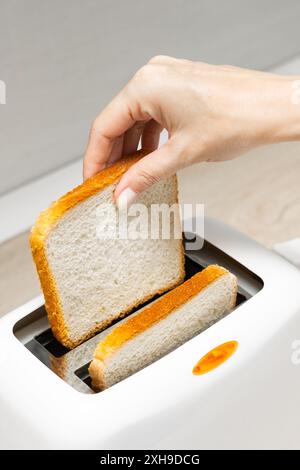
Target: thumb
{"type": "Point", "coordinates": [149, 170]}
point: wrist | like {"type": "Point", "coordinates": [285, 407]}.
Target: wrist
{"type": "Point", "coordinates": [281, 109]}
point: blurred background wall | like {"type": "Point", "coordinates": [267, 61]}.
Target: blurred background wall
{"type": "Point", "coordinates": [63, 60]}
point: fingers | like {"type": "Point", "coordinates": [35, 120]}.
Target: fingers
{"type": "Point", "coordinates": [151, 134]}
{"type": "Point", "coordinates": [117, 151]}
{"type": "Point", "coordinates": [132, 138]}
{"type": "Point", "coordinates": [112, 123]}
{"type": "Point", "coordinates": [157, 165]}
{"type": "Point", "coordinates": [128, 142]}
{"type": "Point", "coordinates": [125, 116]}
{"type": "Point", "coordinates": [97, 153]}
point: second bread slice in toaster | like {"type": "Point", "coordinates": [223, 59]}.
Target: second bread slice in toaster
{"type": "Point", "coordinates": [163, 326]}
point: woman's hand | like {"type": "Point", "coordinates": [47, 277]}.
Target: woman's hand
{"type": "Point", "coordinates": [211, 113]}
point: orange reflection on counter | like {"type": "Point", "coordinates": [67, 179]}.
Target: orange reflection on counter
{"type": "Point", "coordinates": [215, 357]}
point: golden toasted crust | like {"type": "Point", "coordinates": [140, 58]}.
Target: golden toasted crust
{"type": "Point", "coordinates": [234, 293]}
{"type": "Point", "coordinates": [156, 312]}
{"type": "Point", "coordinates": [38, 239]}
{"type": "Point", "coordinates": [96, 371]}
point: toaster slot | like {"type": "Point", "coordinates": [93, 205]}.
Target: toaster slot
{"type": "Point", "coordinates": [72, 365]}
{"type": "Point", "coordinates": [47, 340]}
{"type": "Point", "coordinates": [83, 374]}
{"type": "Point", "coordinates": [54, 347]}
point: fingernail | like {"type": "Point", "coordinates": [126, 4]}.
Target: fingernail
{"type": "Point", "coordinates": [126, 197]}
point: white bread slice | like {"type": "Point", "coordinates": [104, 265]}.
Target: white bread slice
{"type": "Point", "coordinates": [163, 326]}
{"type": "Point", "coordinates": [89, 282]}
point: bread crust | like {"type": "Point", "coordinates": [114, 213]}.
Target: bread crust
{"type": "Point", "coordinates": [182, 264]}
{"type": "Point", "coordinates": [96, 371]}
{"type": "Point", "coordinates": [234, 292]}
{"type": "Point", "coordinates": [38, 241]}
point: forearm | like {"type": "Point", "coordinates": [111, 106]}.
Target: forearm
{"type": "Point", "coordinates": [211, 113]}
{"type": "Point", "coordinates": [277, 114]}
{"type": "Point", "coordinates": [288, 118]}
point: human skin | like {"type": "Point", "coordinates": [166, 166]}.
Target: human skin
{"type": "Point", "coordinates": [211, 112]}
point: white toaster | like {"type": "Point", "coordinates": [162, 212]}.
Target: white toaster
{"type": "Point", "coordinates": [250, 401]}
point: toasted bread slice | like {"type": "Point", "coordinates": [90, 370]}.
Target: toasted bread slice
{"type": "Point", "coordinates": [89, 280]}
{"type": "Point", "coordinates": [163, 326]}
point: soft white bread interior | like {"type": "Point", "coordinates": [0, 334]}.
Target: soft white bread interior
{"type": "Point", "coordinates": [88, 279]}
{"type": "Point", "coordinates": [163, 326]}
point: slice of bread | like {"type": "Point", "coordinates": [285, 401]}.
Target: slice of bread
{"type": "Point", "coordinates": [89, 280]}
{"type": "Point", "coordinates": [163, 326]}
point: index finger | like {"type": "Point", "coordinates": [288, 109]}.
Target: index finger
{"type": "Point", "coordinates": [111, 123]}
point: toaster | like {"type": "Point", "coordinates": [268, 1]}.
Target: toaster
{"type": "Point", "coordinates": [252, 400]}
